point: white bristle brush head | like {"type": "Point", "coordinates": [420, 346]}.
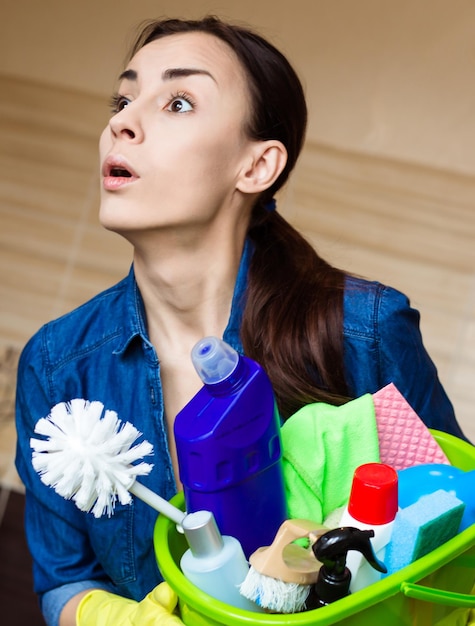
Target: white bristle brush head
{"type": "Point", "coordinates": [274, 595]}
{"type": "Point", "coordinates": [87, 455]}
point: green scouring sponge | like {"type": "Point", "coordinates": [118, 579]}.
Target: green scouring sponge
{"type": "Point", "coordinates": [422, 527]}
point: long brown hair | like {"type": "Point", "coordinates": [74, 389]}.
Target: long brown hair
{"type": "Point", "coordinates": [293, 315]}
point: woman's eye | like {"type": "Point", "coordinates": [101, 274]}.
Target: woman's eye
{"type": "Point", "coordinates": [180, 104]}
{"type": "Point", "coordinates": [118, 103]}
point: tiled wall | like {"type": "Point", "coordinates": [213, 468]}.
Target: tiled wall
{"type": "Point", "coordinates": [53, 252]}
{"type": "Point", "coordinates": [411, 227]}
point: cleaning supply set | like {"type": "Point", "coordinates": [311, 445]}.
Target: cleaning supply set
{"type": "Point", "coordinates": [287, 577]}
{"type": "Point", "coordinates": [228, 439]}
{"type": "Point", "coordinates": [229, 446]}
{"type": "Point", "coordinates": [87, 457]}
{"type": "Point", "coordinates": [229, 451]}
{"type": "Point", "coordinates": [403, 532]}
{"type": "Point", "coordinates": [424, 593]}
{"type": "Point", "coordinates": [384, 429]}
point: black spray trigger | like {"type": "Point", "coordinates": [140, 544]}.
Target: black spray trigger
{"type": "Point", "coordinates": [331, 550]}
{"type": "Point", "coordinates": [335, 544]}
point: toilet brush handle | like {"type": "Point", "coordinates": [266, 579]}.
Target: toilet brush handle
{"type": "Point", "coordinates": [156, 502]}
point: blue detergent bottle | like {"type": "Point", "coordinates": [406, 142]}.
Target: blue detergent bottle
{"type": "Point", "coordinates": [229, 447]}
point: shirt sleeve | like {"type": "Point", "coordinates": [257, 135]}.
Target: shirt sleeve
{"type": "Point", "coordinates": [55, 529]}
{"type": "Point", "coordinates": [385, 346]}
{"type": "Point", "coordinates": [53, 602]}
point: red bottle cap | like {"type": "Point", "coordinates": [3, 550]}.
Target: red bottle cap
{"type": "Point", "coordinates": [374, 494]}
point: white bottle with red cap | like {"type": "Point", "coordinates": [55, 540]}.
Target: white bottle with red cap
{"type": "Point", "coordinates": [373, 504]}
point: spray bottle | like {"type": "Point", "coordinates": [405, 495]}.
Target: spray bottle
{"type": "Point", "coordinates": [334, 577]}
{"type": "Point", "coordinates": [229, 447]}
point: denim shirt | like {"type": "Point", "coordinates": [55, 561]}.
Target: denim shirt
{"type": "Point", "coordinates": [101, 351]}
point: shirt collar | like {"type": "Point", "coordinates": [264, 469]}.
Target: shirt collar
{"type": "Point", "coordinates": [133, 314]}
{"type": "Point", "coordinates": [232, 333]}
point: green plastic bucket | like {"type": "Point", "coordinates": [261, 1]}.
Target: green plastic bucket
{"type": "Point", "coordinates": [432, 588]}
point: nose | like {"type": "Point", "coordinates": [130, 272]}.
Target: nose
{"type": "Point", "coordinates": [126, 125]}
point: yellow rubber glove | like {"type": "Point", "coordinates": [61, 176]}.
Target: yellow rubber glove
{"type": "Point", "coordinates": [101, 608]}
{"type": "Point", "coordinates": [458, 617]}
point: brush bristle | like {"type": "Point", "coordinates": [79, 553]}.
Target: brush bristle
{"type": "Point", "coordinates": [273, 594]}
{"type": "Point", "coordinates": [87, 455]}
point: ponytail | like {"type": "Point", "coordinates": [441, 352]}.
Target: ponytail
{"type": "Point", "coordinates": [293, 316]}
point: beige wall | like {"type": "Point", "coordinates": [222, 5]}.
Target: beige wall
{"type": "Point", "coordinates": [385, 187]}
{"type": "Point", "coordinates": [383, 76]}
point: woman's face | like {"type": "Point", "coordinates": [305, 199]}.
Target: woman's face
{"type": "Point", "coordinates": [176, 143]}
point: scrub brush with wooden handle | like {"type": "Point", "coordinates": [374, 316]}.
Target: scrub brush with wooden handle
{"type": "Point", "coordinates": [281, 575]}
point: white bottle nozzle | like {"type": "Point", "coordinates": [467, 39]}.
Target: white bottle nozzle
{"type": "Point", "coordinates": [214, 359]}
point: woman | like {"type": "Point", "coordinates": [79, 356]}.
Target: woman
{"type": "Point", "coordinates": [207, 124]}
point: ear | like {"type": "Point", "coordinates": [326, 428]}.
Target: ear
{"type": "Point", "coordinates": [266, 162]}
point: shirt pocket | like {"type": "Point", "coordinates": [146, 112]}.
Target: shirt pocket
{"type": "Point", "coordinates": [113, 543]}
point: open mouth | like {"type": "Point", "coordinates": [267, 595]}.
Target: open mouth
{"type": "Point", "coordinates": [120, 172]}
{"type": "Point", "coordinates": [117, 173]}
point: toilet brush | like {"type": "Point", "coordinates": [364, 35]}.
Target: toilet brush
{"type": "Point", "coordinates": [88, 456]}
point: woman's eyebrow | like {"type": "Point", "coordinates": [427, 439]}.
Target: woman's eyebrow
{"type": "Point", "coordinates": [180, 72]}
{"type": "Point", "coordinates": [169, 74]}
{"type": "Point", "coordinates": [128, 75]}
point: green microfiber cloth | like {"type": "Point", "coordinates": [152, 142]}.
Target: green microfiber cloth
{"type": "Point", "coordinates": [322, 447]}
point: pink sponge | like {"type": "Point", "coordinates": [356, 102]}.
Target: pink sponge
{"type": "Point", "coordinates": [404, 439]}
